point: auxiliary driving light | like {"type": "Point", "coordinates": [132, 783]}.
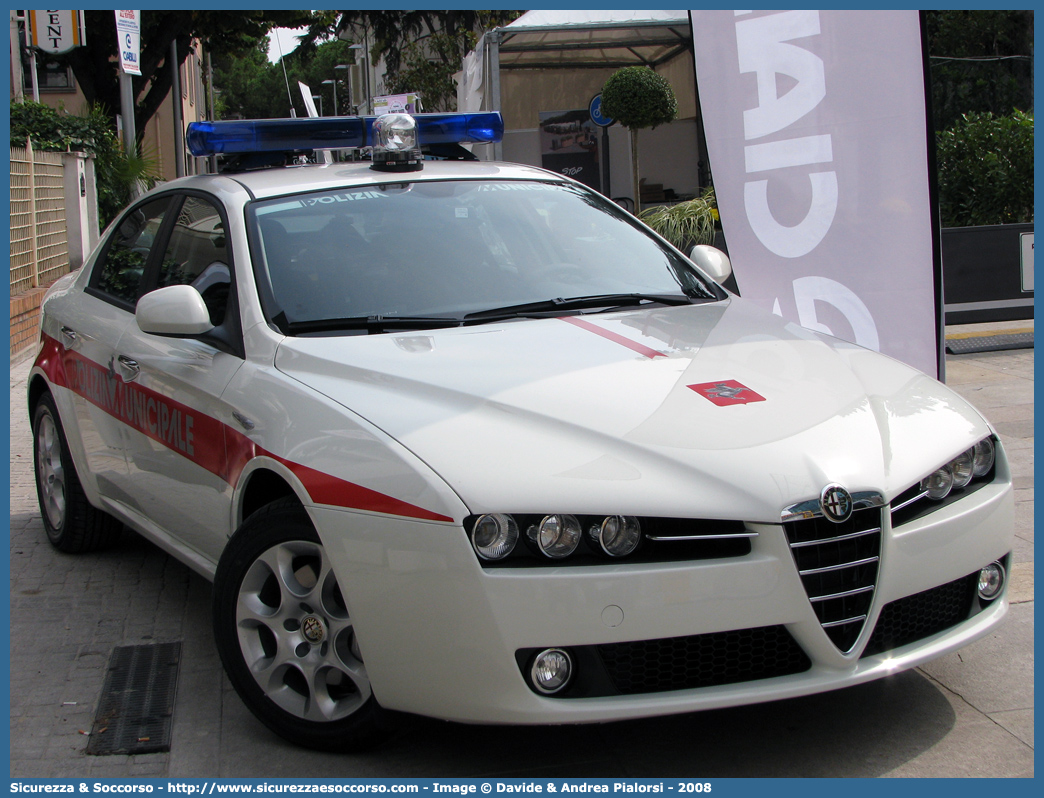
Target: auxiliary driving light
{"type": "Point", "coordinates": [617, 535]}
{"type": "Point", "coordinates": [991, 581]}
{"type": "Point", "coordinates": [494, 536]}
{"type": "Point", "coordinates": [551, 670]}
{"type": "Point", "coordinates": [557, 536]}
{"type": "Point", "coordinates": [938, 484]}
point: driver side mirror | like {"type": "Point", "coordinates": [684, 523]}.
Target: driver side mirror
{"type": "Point", "coordinates": [177, 310]}
{"type": "Point", "coordinates": [712, 262]}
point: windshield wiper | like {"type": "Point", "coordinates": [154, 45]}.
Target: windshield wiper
{"type": "Point", "coordinates": [372, 324]}
{"type": "Point", "coordinates": [607, 301]}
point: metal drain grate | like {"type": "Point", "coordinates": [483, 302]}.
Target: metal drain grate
{"type": "Point", "coordinates": [137, 704]}
{"type": "Point", "coordinates": [988, 343]}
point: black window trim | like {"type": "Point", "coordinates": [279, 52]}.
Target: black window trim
{"type": "Point", "coordinates": [159, 245]}
{"type": "Point", "coordinates": [228, 336]}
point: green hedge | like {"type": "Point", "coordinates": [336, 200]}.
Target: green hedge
{"type": "Point", "coordinates": [986, 170]}
{"type": "Point", "coordinates": [93, 132]}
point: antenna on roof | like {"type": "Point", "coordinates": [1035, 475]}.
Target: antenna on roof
{"type": "Point", "coordinates": [289, 96]}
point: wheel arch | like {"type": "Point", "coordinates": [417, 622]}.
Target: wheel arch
{"type": "Point", "coordinates": [37, 387]}
{"type": "Point", "coordinates": [264, 481]}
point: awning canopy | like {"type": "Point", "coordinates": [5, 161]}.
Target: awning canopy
{"type": "Point", "coordinates": [593, 39]}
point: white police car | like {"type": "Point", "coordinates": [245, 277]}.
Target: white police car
{"type": "Point", "coordinates": [470, 441]}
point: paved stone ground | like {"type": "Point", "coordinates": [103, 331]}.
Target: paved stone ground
{"type": "Point", "coordinates": [967, 714]}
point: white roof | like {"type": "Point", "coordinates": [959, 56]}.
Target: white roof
{"type": "Point", "coordinates": [586, 18]}
{"type": "Point", "coordinates": [607, 39]}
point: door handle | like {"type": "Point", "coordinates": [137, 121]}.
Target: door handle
{"type": "Point", "coordinates": [129, 368]}
{"type": "Point", "coordinates": [69, 333]}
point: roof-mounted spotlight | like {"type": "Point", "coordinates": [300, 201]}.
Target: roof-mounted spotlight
{"type": "Point", "coordinates": [395, 147]}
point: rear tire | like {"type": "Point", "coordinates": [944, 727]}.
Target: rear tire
{"type": "Point", "coordinates": [73, 524]}
{"type": "Point", "coordinates": [285, 636]}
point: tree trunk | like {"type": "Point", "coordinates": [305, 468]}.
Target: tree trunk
{"type": "Point", "coordinates": [634, 168]}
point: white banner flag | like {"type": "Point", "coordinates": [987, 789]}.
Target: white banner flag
{"type": "Point", "coordinates": [816, 133]}
{"type": "Point", "coordinates": [128, 35]}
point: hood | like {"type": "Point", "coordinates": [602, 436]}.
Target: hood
{"type": "Point", "coordinates": [715, 411]}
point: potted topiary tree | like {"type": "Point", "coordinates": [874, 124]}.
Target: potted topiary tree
{"type": "Point", "coordinates": [638, 98]}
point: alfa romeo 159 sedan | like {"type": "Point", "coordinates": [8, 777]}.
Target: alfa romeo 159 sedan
{"type": "Point", "coordinates": [464, 439]}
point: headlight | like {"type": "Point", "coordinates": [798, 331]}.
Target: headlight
{"type": "Point", "coordinates": [963, 467]}
{"type": "Point", "coordinates": [617, 535]}
{"type": "Point", "coordinates": [983, 457]}
{"type": "Point", "coordinates": [557, 536]}
{"type": "Point", "coordinates": [938, 484]}
{"type": "Point", "coordinates": [494, 536]}
{"type": "Point", "coordinates": [967, 467]}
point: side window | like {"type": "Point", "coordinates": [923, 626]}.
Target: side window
{"type": "Point", "coordinates": [197, 255]}
{"type": "Point", "coordinates": [121, 272]}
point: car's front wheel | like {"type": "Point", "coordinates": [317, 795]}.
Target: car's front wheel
{"type": "Point", "coordinates": [285, 635]}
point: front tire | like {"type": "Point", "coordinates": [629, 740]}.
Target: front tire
{"type": "Point", "coordinates": [73, 525]}
{"type": "Point", "coordinates": [286, 638]}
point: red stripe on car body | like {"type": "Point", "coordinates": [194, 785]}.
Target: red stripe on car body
{"type": "Point", "coordinates": [634, 346]}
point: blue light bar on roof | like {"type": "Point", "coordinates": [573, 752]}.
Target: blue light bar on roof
{"type": "Point", "coordinates": [333, 132]}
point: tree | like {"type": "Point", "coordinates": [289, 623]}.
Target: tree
{"type": "Point", "coordinates": [428, 68]}
{"type": "Point", "coordinates": [421, 50]}
{"type": "Point", "coordinates": [986, 170]}
{"type": "Point", "coordinates": [96, 69]}
{"type": "Point", "coordinates": [250, 87]}
{"type": "Point", "coordinates": [393, 31]}
{"type": "Point", "coordinates": [982, 62]}
{"type": "Point", "coordinates": [638, 98]}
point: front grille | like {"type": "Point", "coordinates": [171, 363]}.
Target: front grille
{"type": "Point", "coordinates": [921, 615]}
{"type": "Point", "coordinates": [679, 663]}
{"type": "Point", "coordinates": [838, 567]}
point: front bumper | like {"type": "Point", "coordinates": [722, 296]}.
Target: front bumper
{"type": "Point", "coordinates": [440, 635]}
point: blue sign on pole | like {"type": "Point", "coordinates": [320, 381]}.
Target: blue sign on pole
{"type": "Point", "coordinates": [596, 112]}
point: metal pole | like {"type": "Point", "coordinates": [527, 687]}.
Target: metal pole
{"type": "Point", "coordinates": [175, 88]}
{"type": "Point", "coordinates": [127, 111]}
{"type": "Point", "coordinates": [34, 243]}
{"type": "Point", "coordinates": [36, 78]}
{"type": "Point", "coordinates": [210, 95]}
{"type": "Point", "coordinates": [494, 82]}
{"type": "Point", "coordinates": [366, 66]}
{"type": "Point", "coordinates": [17, 77]}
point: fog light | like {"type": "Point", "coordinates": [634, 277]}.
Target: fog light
{"type": "Point", "coordinates": [991, 581]}
{"type": "Point", "coordinates": [938, 484]}
{"type": "Point", "coordinates": [983, 457]}
{"type": "Point", "coordinates": [557, 536]}
{"type": "Point", "coordinates": [618, 535]}
{"type": "Point", "coordinates": [551, 671]}
{"type": "Point", "coordinates": [494, 536]}
{"type": "Point", "coordinates": [963, 468]}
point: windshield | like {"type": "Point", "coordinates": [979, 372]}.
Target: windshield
{"type": "Point", "coordinates": [447, 249]}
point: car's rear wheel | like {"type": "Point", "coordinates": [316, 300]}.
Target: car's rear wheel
{"type": "Point", "coordinates": [73, 525]}
{"type": "Point", "coordinates": [286, 637]}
